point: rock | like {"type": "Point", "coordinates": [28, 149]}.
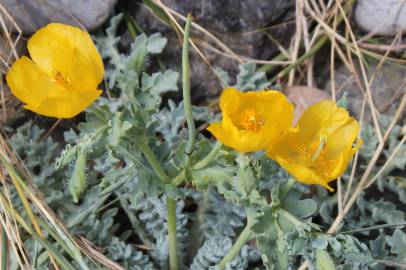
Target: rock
{"type": "Point", "coordinates": [31, 15]}
{"type": "Point", "coordinates": [383, 17]}
{"type": "Point", "coordinates": [9, 104]}
{"type": "Point", "coordinates": [6, 54]}
{"type": "Point", "coordinates": [387, 89]}
{"type": "Point", "coordinates": [303, 97]}
{"type": "Point", "coordinates": [239, 24]}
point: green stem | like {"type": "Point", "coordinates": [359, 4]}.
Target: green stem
{"type": "Point", "coordinates": [4, 249]}
{"type": "Point", "coordinates": [153, 161]}
{"type": "Point", "coordinates": [186, 92]}
{"type": "Point", "coordinates": [170, 204]}
{"type": "Point", "coordinates": [376, 227]}
{"type": "Point", "coordinates": [210, 156]}
{"type": "Point", "coordinates": [131, 25]}
{"type": "Point", "coordinates": [271, 67]}
{"type": "Point", "coordinates": [173, 256]}
{"type": "Point", "coordinates": [302, 58]}
{"type": "Point", "coordinates": [239, 243]}
{"type": "Point", "coordinates": [294, 220]}
{"type": "Point", "coordinates": [311, 52]}
{"type": "Point", "coordinates": [286, 188]}
{"type": "Point", "coordinates": [177, 180]}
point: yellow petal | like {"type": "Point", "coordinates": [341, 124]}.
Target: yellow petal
{"type": "Point", "coordinates": [342, 139]}
{"type": "Point", "coordinates": [67, 106]}
{"type": "Point", "coordinates": [82, 77]}
{"type": "Point", "coordinates": [288, 147]}
{"type": "Point", "coordinates": [345, 158]}
{"type": "Point", "coordinates": [27, 82]}
{"type": "Point", "coordinates": [303, 153]}
{"type": "Point", "coordinates": [269, 115]}
{"type": "Point", "coordinates": [229, 135]}
{"type": "Point", "coordinates": [303, 174]}
{"type": "Point", "coordinates": [68, 50]}
{"type": "Point", "coordinates": [322, 117]}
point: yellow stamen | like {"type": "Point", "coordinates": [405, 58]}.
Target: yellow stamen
{"type": "Point", "coordinates": [320, 148]}
{"type": "Point", "coordinates": [59, 78]}
{"type": "Point", "coordinates": [251, 120]}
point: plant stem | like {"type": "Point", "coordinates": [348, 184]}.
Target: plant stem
{"type": "Point", "coordinates": [286, 188]}
{"type": "Point", "coordinates": [186, 92]}
{"type": "Point", "coordinates": [153, 161]}
{"type": "Point", "coordinates": [294, 220]}
{"type": "Point", "coordinates": [170, 205]}
{"type": "Point", "coordinates": [302, 58]}
{"type": "Point", "coordinates": [177, 180]}
{"type": "Point", "coordinates": [239, 243]}
{"type": "Point", "coordinates": [311, 52]}
{"type": "Point", "coordinates": [173, 256]}
{"type": "Point", "coordinates": [376, 227]}
{"type": "Point", "coordinates": [210, 156]}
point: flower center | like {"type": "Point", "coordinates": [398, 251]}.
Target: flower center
{"type": "Point", "coordinates": [59, 78]}
{"type": "Point", "coordinates": [251, 120]}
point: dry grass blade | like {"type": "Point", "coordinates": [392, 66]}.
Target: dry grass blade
{"type": "Point", "coordinates": [29, 199]}
{"type": "Point", "coordinates": [92, 252]}
{"type": "Point", "coordinates": [352, 47]}
{"type": "Point", "coordinates": [7, 32]}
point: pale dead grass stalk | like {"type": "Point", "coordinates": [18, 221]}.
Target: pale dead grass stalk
{"type": "Point", "coordinates": [211, 48]}
{"type": "Point", "coordinates": [7, 32]}
{"type": "Point", "coordinates": [345, 204]}
{"type": "Point", "coordinates": [202, 30]}
{"type": "Point", "coordinates": [180, 29]}
{"type": "Point", "coordinates": [3, 99]}
{"type": "Point", "coordinates": [326, 16]}
{"type": "Point", "coordinates": [355, 162]}
{"type": "Point", "coordinates": [95, 254]}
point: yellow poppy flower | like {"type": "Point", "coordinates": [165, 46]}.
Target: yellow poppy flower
{"type": "Point", "coordinates": [61, 79]}
{"type": "Point", "coordinates": [252, 121]}
{"type": "Point", "coordinates": [321, 145]}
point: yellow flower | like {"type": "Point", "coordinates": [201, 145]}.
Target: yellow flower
{"type": "Point", "coordinates": [61, 79]}
{"type": "Point", "coordinates": [252, 121]}
{"type": "Point", "coordinates": [321, 145]}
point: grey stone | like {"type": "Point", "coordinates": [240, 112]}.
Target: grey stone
{"type": "Point", "coordinates": [387, 88]}
{"type": "Point", "coordinates": [383, 17]}
{"type": "Point", "coordinates": [244, 26]}
{"type": "Point", "coordinates": [33, 14]}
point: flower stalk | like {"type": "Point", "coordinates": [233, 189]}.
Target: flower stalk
{"type": "Point", "coordinates": [170, 204]}
{"type": "Point", "coordinates": [209, 158]}
{"type": "Point", "coordinates": [186, 92]}
{"type": "Point", "coordinates": [171, 218]}
{"type": "Point", "coordinates": [153, 161]}
{"type": "Point", "coordinates": [244, 236]}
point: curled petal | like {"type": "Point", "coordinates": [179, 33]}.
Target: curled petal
{"type": "Point", "coordinates": [27, 82]}
{"type": "Point", "coordinates": [65, 107]}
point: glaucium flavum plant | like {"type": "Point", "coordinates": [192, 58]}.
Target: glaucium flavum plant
{"type": "Point", "coordinates": [121, 136]}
